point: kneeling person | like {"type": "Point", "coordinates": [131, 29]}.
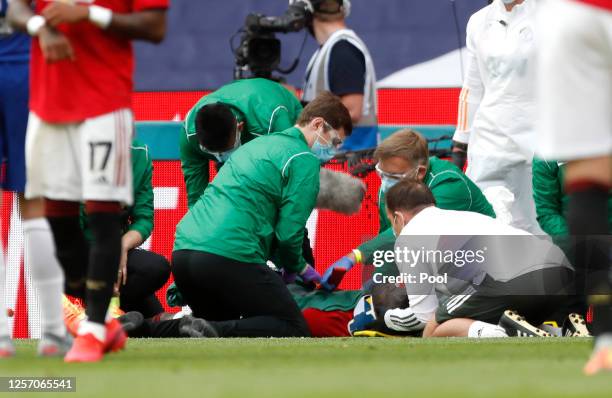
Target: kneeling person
{"type": "Point", "coordinates": [515, 271]}
{"type": "Point", "coordinates": [257, 206]}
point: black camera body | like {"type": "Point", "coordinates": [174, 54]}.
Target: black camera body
{"type": "Point", "coordinates": [259, 52]}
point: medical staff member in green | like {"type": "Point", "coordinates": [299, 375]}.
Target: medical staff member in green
{"type": "Point", "coordinates": [231, 116]}
{"type": "Point", "coordinates": [550, 198]}
{"type": "Point", "coordinates": [257, 205]}
{"type": "Point", "coordinates": [405, 154]}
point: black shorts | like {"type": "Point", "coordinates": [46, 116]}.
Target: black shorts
{"type": "Point", "coordinates": [482, 305]}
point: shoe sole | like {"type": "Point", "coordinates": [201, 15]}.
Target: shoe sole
{"type": "Point", "coordinates": [579, 325]}
{"type": "Point", "coordinates": [518, 323]}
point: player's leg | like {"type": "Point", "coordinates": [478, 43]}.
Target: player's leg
{"type": "Point", "coordinates": [47, 275]}
{"type": "Point", "coordinates": [71, 247]}
{"type": "Point", "coordinates": [147, 272]}
{"type": "Point", "coordinates": [106, 178]}
{"type": "Point", "coordinates": [576, 96]}
{"type": "Point", "coordinates": [588, 223]}
{"type": "Point", "coordinates": [467, 315]}
{"type": "Point", "coordinates": [103, 263]}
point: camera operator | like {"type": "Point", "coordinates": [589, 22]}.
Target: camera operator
{"type": "Point", "coordinates": [343, 65]}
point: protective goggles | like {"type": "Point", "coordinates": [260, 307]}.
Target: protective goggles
{"type": "Point", "coordinates": [394, 176]}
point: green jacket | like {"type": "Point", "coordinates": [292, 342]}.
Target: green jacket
{"type": "Point", "coordinates": [258, 204]}
{"type": "Point", "coordinates": [452, 190]}
{"type": "Point", "coordinates": [263, 105]}
{"type": "Point", "coordinates": [550, 199]}
{"type": "Point", "coordinates": [139, 216]}
{"type": "Point", "coordinates": [322, 300]}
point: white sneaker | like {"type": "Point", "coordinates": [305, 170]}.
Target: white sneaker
{"type": "Point", "coordinates": [51, 345]}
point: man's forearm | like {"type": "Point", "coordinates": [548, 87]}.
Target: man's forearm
{"type": "Point", "coordinates": [131, 240]}
{"type": "Point", "coordinates": [149, 25]}
{"type": "Point", "coordinates": [19, 13]}
{"type": "Point", "coordinates": [354, 104]}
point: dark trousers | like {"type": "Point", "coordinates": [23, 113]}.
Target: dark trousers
{"type": "Point", "coordinates": [238, 299]}
{"type": "Point", "coordinates": [147, 272]}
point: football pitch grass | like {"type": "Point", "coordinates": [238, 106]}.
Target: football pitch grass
{"type": "Point", "coordinates": [365, 367]}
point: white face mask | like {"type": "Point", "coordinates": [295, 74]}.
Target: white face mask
{"type": "Point", "coordinates": [507, 1]}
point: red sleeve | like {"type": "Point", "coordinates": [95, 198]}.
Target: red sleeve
{"type": "Point", "coordinates": [140, 5]}
{"type": "Point", "coordinates": [607, 4]}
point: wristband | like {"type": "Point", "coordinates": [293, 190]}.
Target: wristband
{"type": "Point", "coordinates": [35, 24]}
{"type": "Point", "coordinates": [100, 16]}
{"type": "Point", "coordinates": [358, 256]}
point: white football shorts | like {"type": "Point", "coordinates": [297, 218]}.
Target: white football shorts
{"type": "Point", "coordinates": [89, 160]}
{"type": "Point", "coordinates": [574, 81]}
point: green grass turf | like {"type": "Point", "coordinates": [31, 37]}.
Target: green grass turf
{"type": "Point", "coordinates": [288, 368]}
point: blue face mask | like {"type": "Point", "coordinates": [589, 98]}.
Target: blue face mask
{"type": "Point", "coordinates": [386, 183]}
{"type": "Point", "coordinates": [222, 157]}
{"type": "Point", "coordinates": [325, 152]}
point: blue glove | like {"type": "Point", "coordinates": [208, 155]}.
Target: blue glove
{"type": "Point", "coordinates": [334, 274]}
{"type": "Point", "coordinates": [310, 275]}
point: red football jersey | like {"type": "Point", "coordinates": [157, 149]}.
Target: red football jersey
{"type": "Point", "coordinates": [607, 4]}
{"type": "Point", "coordinates": [98, 81]}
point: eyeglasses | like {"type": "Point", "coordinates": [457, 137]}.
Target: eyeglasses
{"type": "Point", "coordinates": [335, 137]}
{"type": "Point", "coordinates": [394, 176]}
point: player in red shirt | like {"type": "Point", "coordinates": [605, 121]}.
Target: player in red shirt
{"type": "Point", "coordinates": [575, 99]}
{"type": "Point", "coordinates": [78, 140]}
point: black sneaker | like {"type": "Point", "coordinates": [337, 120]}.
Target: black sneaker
{"type": "Point", "coordinates": [190, 326]}
{"type": "Point", "coordinates": [575, 326]}
{"type": "Point", "coordinates": [517, 326]}
{"type": "Point", "coordinates": [130, 321]}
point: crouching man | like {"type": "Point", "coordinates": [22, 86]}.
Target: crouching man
{"type": "Point", "coordinates": [257, 206]}
{"type": "Point", "coordinates": [469, 275]}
